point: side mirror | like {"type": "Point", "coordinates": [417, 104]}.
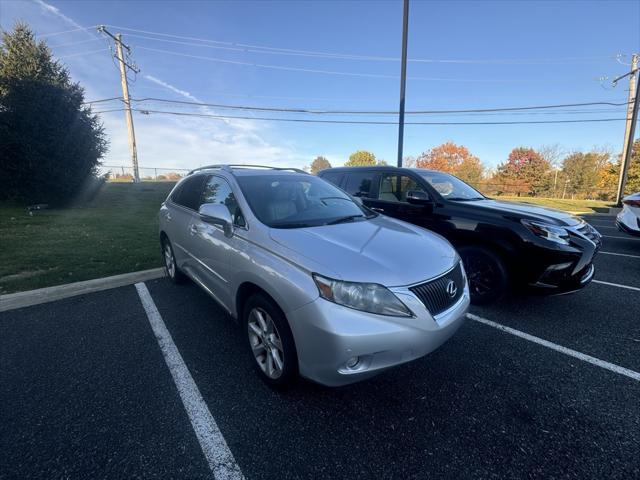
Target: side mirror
{"type": "Point", "coordinates": [217, 214]}
{"type": "Point", "coordinates": [418, 197]}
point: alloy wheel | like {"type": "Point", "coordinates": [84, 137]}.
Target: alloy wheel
{"type": "Point", "coordinates": [169, 261]}
{"type": "Point", "coordinates": [266, 343]}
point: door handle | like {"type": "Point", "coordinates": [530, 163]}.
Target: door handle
{"type": "Point", "coordinates": [193, 229]}
{"type": "Point", "coordinates": [375, 209]}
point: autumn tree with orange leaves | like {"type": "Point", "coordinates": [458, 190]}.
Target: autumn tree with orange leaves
{"type": "Point", "coordinates": [454, 159]}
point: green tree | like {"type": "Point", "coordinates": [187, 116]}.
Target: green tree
{"type": "Point", "coordinates": [583, 172]}
{"type": "Point", "coordinates": [319, 163]}
{"type": "Point", "coordinates": [361, 158]}
{"type": "Point", "coordinates": [50, 143]}
{"type": "Point", "coordinates": [610, 173]}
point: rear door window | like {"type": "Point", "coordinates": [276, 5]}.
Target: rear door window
{"type": "Point", "coordinates": [359, 183]}
{"type": "Point", "coordinates": [394, 188]}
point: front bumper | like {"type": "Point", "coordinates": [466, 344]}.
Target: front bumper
{"type": "Point", "coordinates": [328, 335]}
{"type": "Point", "coordinates": [563, 270]}
{"type": "Point", "coordinates": [627, 222]}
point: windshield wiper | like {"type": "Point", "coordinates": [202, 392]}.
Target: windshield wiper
{"type": "Point", "coordinates": [461, 199]}
{"type": "Point", "coordinates": [348, 218]}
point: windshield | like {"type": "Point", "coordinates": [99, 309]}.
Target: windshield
{"type": "Point", "coordinates": [298, 201]}
{"type": "Point", "coordinates": [450, 187]}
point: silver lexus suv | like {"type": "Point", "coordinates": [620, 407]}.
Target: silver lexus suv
{"type": "Point", "coordinates": [322, 286]}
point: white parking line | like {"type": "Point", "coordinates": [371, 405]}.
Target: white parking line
{"type": "Point", "coordinates": [213, 444]}
{"type": "Point", "coordinates": [618, 254]}
{"type": "Point", "coordinates": [558, 348]}
{"type": "Point", "coordinates": [623, 238]}
{"type": "Point", "coordinates": [628, 287]}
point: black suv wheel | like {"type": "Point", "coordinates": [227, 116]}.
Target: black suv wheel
{"type": "Point", "coordinates": [487, 274]}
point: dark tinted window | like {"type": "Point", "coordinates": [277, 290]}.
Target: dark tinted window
{"type": "Point", "coordinates": [217, 190]}
{"type": "Point", "coordinates": [359, 183]}
{"type": "Point", "coordinates": [394, 188]}
{"type": "Point", "coordinates": [189, 193]}
{"type": "Point", "coordinates": [333, 177]}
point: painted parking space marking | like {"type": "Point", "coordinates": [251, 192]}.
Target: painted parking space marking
{"type": "Point", "coordinates": [618, 254]}
{"type": "Point", "coordinates": [623, 238]}
{"type": "Point", "coordinates": [559, 348]}
{"type": "Point", "coordinates": [215, 448]}
{"type": "Point", "coordinates": [629, 287]}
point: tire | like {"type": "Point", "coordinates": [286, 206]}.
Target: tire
{"type": "Point", "coordinates": [270, 342]}
{"type": "Point", "coordinates": [487, 274]}
{"type": "Point", "coordinates": [170, 265]}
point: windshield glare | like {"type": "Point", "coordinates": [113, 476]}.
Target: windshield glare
{"type": "Point", "coordinates": [298, 201]}
{"type": "Point", "coordinates": [450, 187]}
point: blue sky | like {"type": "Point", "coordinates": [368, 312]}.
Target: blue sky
{"type": "Point", "coordinates": [516, 53]}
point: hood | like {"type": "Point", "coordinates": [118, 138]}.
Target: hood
{"type": "Point", "coordinates": [381, 250]}
{"type": "Point", "coordinates": [527, 211]}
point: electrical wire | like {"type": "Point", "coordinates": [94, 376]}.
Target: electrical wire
{"type": "Point", "coordinates": [362, 122]}
{"type": "Point", "coordinates": [90, 52]}
{"type": "Point", "coordinates": [225, 45]}
{"type": "Point", "coordinates": [75, 43]}
{"type": "Point", "coordinates": [336, 72]}
{"type": "Point", "coordinates": [370, 112]}
{"type": "Point", "coordinates": [102, 100]}
{"type": "Point", "coordinates": [66, 31]}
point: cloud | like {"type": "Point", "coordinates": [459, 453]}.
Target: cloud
{"type": "Point", "coordinates": [48, 8]}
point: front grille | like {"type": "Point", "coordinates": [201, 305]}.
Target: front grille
{"type": "Point", "coordinates": [434, 295]}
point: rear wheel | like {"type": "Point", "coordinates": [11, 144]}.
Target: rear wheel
{"type": "Point", "coordinates": [487, 274]}
{"type": "Point", "coordinates": [270, 341]}
{"type": "Point", "coordinates": [170, 265]}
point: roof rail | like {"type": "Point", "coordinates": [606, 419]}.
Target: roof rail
{"type": "Point", "coordinates": [229, 167]}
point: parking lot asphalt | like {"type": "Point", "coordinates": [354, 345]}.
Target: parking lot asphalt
{"type": "Point", "coordinates": [86, 393]}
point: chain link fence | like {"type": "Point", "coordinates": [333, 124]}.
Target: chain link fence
{"type": "Point", "coordinates": [123, 173]}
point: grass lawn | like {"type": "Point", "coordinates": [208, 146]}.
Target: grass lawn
{"type": "Point", "coordinates": [117, 232]}
{"type": "Point", "coordinates": [582, 206]}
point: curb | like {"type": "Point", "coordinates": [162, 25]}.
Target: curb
{"type": "Point", "coordinates": [12, 301]}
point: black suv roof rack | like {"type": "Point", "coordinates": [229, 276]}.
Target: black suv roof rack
{"type": "Point", "coordinates": [230, 166]}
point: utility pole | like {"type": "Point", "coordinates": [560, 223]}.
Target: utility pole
{"type": "Point", "coordinates": [630, 126]}
{"type": "Point", "coordinates": [403, 79]}
{"type": "Point", "coordinates": [125, 96]}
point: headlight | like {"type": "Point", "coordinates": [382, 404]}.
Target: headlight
{"type": "Point", "coordinates": [549, 232]}
{"type": "Point", "coordinates": [367, 297]}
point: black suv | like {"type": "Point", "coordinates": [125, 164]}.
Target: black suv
{"type": "Point", "coordinates": [501, 243]}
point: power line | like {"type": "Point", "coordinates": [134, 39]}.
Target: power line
{"type": "Point", "coordinates": [102, 100]}
{"type": "Point", "coordinates": [66, 31]}
{"type": "Point", "coordinates": [225, 45]}
{"type": "Point", "coordinates": [361, 122]}
{"type": "Point", "coordinates": [335, 72]}
{"type": "Point", "coordinates": [75, 43]}
{"type": "Point", "coordinates": [384, 112]}
{"type": "Point", "coordinates": [371, 112]}
{"type": "Point", "coordinates": [90, 52]}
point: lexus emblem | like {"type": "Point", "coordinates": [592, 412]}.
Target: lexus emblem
{"type": "Point", "coordinates": [452, 289]}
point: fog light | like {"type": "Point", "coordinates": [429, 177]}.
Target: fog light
{"type": "Point", "coordinates": [353, 362]}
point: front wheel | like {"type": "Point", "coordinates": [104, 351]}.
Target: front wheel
{"type": "Point", "coordinates": [487, 274]}
{"type": "Point", "coordinates": [170, 264]}
{"type": "Point", "coordinates": [271, 342]}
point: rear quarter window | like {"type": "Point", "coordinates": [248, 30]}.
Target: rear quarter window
{"type": "Point", "coordinates": [359, 183]}
{"type": "Point", "coordinates": [333, 177]}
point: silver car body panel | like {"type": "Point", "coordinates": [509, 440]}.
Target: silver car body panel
{"type": "Point", "coordinates": [382, 250]}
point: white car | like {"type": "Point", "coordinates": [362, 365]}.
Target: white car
{"type": "Point", "coordinates": [628, 220]}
